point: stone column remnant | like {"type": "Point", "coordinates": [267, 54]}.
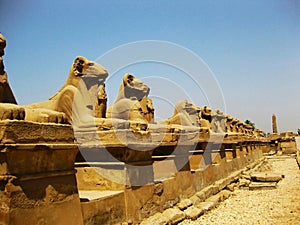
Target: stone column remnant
{"type": "Point", "coordinates": [274, 124]}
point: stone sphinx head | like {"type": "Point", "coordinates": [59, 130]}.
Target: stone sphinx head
{"type": "Point", "coordinates": [132, 88]}
{"type": "Point", "coordinates": [186, 106]}
{"type": "Point", "coordinates": [89, 71]}
{"type": "Point", "coordinates": [132, 102]}
{"type": "Point", "coordinates": [185, 113]}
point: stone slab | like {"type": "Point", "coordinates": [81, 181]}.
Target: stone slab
{"type": "Point", "coordinates": [173, 215]}
{"type": "Point", "coordinates": [96, 194]}
{"type": "Point", "coordinates": [269, 177]}
{"type": "Point", "coordinates": [193, 212]}
{"type": "Point", "coordinates": [206, 206]}
{"type": "Point", "coordinates": [185, 203]}
{"type": "Point", "coordinates": [262, 185]}
{"type": "Point", "coordinates": [156, 219]}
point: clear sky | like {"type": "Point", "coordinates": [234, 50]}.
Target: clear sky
{"type": "Point", "coordinates": [252, 47]}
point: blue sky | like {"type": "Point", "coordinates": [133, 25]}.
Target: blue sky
{"type": "Point", "coordinates": [252, 48]}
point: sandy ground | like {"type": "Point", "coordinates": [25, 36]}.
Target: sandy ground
{"type": "Point", "coordinates": [277, 206]}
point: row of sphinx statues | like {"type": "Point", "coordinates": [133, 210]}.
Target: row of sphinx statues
{"type": "Point", "coordinates": [83, 99]}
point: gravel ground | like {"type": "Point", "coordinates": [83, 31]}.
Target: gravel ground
{"type": "Point", "coordinates": [277, 206]}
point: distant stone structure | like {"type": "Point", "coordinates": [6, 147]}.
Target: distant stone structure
{"type": "Point", "coordinates": [274, 124]}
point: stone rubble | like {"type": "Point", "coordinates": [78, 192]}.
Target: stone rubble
{"type": "Point", "coordinates": [213, 205]}
{"type": "Point", "coordinates": [276, 206]}
{"type": "Point", "coordinates": [204, 200]}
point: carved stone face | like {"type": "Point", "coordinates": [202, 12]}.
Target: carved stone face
{"type": "Point", "coordinates": [134, 88]}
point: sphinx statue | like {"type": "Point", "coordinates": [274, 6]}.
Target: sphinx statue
{"type": "Point", "coordinates": [232, 124]}
{"type": "Point", "coordinates": [218, 122]}
{"type": "Point", "coordinates": [249, 129]}
{"type": "Point", "coordinates": [241, 127]}
{"type": "Point", "coordinates": [258, 133]}
{"type": "Point", "coordinates": [235, 127]}
{"type": "Point", "coordinates": [76, 99]}
{"type": "Point", "coordinates": [185, 114]}
{"type": "Point", "coordinates": [132, 102]}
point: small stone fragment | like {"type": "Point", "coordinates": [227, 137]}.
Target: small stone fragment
{"type": "Point", "coordinates": [201, 195]}
{"type": "Point", "coordinates": [210, 190]}
{"type": "Point", "coordinates": [215, 198]}
{"type": "Point", "coordinates": [173, 215]}
{"type": "Point", "coordinates": [231, 186]}
{"type": "Point", "coordinates": [206, 206]}
{"type": "Point", "coordinates": [244, 182]}
{"type": "Point", "coordinates": [225, 194]}
{"type": "Point", "coordinates": [156, 219]}
{"type": "Point", "coordinates": [195, 200]}
{"type": "Point", "coordinates": [185, 203]}
{"type": "Point", "coordinates": [193, 212]}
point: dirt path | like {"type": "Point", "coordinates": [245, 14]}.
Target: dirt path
{"type": "Point", "coordinates": [278, 206]}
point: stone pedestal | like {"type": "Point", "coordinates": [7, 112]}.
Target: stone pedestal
{"type": "Point", "coordinates": [119, 165]}
{"type": "Point", "coordinates": [37, 176]}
